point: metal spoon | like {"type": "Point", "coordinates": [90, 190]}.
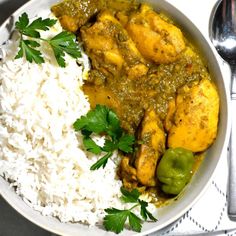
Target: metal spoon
{"type": "Point", "coordinates": [223, 35]}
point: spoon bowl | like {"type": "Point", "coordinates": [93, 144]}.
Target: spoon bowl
{"type": "Point", "coordinates": [223, 30]}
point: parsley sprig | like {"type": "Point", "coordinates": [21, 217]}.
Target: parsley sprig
{"type": "Point", "coordinates": [115, 219]}
{"type": "Point", "coordinates": [62, 43]}
{"type": "Point", "coordinates": [103, 120]}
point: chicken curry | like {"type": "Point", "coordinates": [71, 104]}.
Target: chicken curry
{"type": "Point", "coordinates": [144, 68]}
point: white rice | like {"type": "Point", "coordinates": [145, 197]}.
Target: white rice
{"type": "Point", "coordinates": [40, 153]}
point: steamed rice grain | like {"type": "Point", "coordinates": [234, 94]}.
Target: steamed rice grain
{"type": "Point", "coordinates": [40, 153]}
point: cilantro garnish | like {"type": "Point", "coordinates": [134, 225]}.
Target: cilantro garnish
{"type": "Point", "coordinates": [103, 120]}
{"type": "Point", "coordinates": [115, 219]}
{"type": "Point", "coordinates": [62, 43]}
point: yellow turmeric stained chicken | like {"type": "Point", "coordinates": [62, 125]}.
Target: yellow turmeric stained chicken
{"type": "Point", "coordinates": [152, 145]}
{"type": "Point", "coordinates": [193, 118]}
{"type": "Point", "coordinates": [128, 173]}
{"type": "Point", "coordinates": [156, 39]}
{"type": "Point", "coordinates": [152, 138]}
{"type": "Point", "coordinates": [73, 14]}
{"type": "Point", "coordinates": [111, 50]}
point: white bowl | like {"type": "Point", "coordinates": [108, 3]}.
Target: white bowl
{"type": "Point", "coordinates": [200, 180]}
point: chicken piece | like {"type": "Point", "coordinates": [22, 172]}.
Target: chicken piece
{"type": "Point", "coordinates": [170, 114]}
{"type": "Point", "coordinates": [121, 5]}
{"type": "Point", "coordinates": [128, 174]}
{"type": "Point", "coordinates": [75, 13]}
{"type": "Point", "coordinates": [193, 124]}
{"type": "Point", "coordinates": [153, 137]}
{"type": "Point", "coordinates": [111, 50]}
{"type": "Point", "coordinates": [156, 39]}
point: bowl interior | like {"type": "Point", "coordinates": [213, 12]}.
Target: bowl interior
{"type": "Point", "coordinates": [200, 180]}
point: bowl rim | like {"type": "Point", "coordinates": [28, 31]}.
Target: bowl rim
{"type": "Point", "coordinates": [6, 194]}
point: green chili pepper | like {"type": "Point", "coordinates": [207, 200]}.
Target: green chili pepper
{"type": "Point", "coordinates": [174, 170]}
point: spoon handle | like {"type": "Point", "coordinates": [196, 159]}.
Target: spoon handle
{"type": "Point", "coordinates": [232, 153]}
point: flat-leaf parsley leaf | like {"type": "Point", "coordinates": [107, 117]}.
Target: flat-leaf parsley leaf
{"type": "Point", "coordinates": [64, 42]}
{"type": "Point", "coordinates": [103, 120]}
{"type": "Point", "coordinates": [32, 29]}
{"type": "Point", "coordinates": [27, 47]}
{"type": "Point", "coordinates": [115, 219]}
